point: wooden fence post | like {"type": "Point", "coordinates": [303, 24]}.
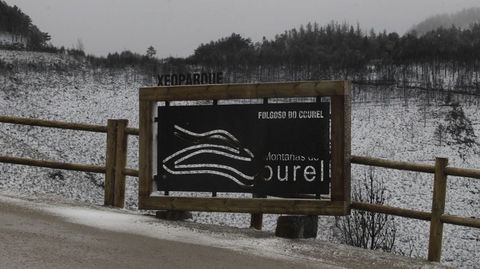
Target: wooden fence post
{"type": "Point", "coordinates": [256, 219]}
{"type": "Point", "coordinates": [110, 162]}
{"type": "Point", "coordinates": [116, 160]}
{"type": "Point", "coordinates": [438, 208]}
{"type": "Point", "coordinates": [120, 163]}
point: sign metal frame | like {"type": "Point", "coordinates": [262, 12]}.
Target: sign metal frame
{"type": "Point", "coordinates": [339, 93]}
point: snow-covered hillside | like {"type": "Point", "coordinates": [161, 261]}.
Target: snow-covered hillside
{"type": "Point", "coordinates": [387, 122]}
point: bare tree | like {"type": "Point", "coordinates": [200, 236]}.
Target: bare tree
{"type": "Point", "coordinates": [367, 229]}
{"type": "Point", "coordinates": [80, 46]}
{"type": "Point", "coordinates": [440, 134]}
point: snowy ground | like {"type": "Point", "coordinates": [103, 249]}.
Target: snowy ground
{"type": "Point", "coordinates": [386, 122]}
{"type": "Point", "coordinates": [404, 130]}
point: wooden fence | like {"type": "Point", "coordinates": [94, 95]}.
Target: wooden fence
{"type": "Point", "coordinates": [437, 217]}
{"type": "Point", "coordinates": [115, 172]}
{"type": "Point", "coordinates": [115, 169]}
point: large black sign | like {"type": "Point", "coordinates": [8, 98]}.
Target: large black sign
{"type": "Point", "coordinates": [275, 149]}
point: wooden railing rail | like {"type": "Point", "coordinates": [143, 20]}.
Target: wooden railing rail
{"type": "Point", "coordinates": [437, 217]}
{"type": "Point", "coordinates": [116, 154]}
{"type": "Point", "coordinates": [132, 131]}
{"type": "Point", "coordinates": [54, 124]}
{"type": "Point", "coordinates": [378, 162]}
{"type": "Point", "coordinates": [130, 172]}
{"type": "Point", "coordinates": [414, 167]}
{"type": "Point", "coordinates": [463, 172]}
{"type": "Point", "coordinates": [53, 164]}
{"type": "Point", "coordinates": [461, 221]}
{"type": "Point", "coordinates": [389, 210]}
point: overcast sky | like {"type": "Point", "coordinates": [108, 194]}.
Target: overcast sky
{"type": "Point", "coordinates": [177, 27]}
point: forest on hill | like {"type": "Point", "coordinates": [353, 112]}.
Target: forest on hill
{"type": "Point", "coordinates": [340, 47]}
{"type": "Point", "coordinates": [462, 19]}
{"type": "Point", "coordinates": [335, 51]}
{"type": "Point", "coordinates": [446, 57]}
{"type": "Point", "coordinates": [14, 21]}
{"type": "Point", "coordinates": [442, 59]}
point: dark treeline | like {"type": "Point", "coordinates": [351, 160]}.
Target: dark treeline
{"type": "Point", "coordinates": [341, 46]}
{"type": "Point", "coordinates": [14, 21]}
{"type": "Point", "coordinates": [334, 48]}
{"type": "Point", "coordinates": [445, 58]}
{"type": "Point", "coordinates": [145, 63]}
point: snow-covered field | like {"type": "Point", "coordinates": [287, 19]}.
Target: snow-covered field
{"type": "Point", "coordinates": [405, 131]}
{"type": "Point", "coordinates": [386, 122]}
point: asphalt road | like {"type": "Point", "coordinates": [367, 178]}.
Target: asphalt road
{"type": "Point", "coordinates": [55, 234]}
{"type": "Point", "coordinates": [30, 238]}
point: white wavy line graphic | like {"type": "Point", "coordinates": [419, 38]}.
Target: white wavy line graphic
{"type": "Point", "coordinates": [214, 149]}
{"type": "Point", "coordinates": [220, 166]}
{"type": "Point", "coordinates": [213, 132]}
{"type": "Point", "coordinates": [213, 172]}
{"type": "Point", "coordinates": [234, 150]}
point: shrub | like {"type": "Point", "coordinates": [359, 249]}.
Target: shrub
{"type": "Point", "coordinates": [367, 229]}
